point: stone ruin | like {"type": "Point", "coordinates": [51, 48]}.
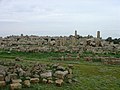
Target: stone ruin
{"type": "Point", "coordinates": [18, 76]}
{"type": "Point", "coordinates": [104, 60]}
{"type": "Point", "coordinates": [72, 43]}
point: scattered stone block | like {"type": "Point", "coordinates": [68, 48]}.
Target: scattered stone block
{"type": "Point", "coordinates": [17, 81]}
{"type": "Point", "coordinates": [69, 76]}
{"type": "Point", "coordinates": [13, 76]}
{"type": "Point", "coordinates": [7, 79]}
{"type": "Point", "coordinates": [44, 80]}
{"type": "Point", "coordinates": [61, 68]}
{"type": "Point", "coordinates": [59, 82]}
{"type": "Point", "coordinates": [18, 59]}
{"type": "Point", "coordinates": [1, 78]}
{"type": "Point", "coordinates": [36, 76]}
{"type": "Point", "coordinates": [15, 86]}
{"type": "Point", "coordinates": [60, 74]}
{"type": "Point", "coordinates": [70, 66]}
{"type": "Point", "coordinates": [27, 83]}
{"type": "Point", "coordinates": [34, 80]}
{"type": "Point", "coordinates": [2, 84]}
{"type": "Point", "coordinates": [46, 74]}
{"type": "Point", "coordinates": [70, 71]}
{"type": "Point", "coordinates": [50, 82]}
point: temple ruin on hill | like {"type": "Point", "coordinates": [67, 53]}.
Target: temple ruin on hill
{"type": "Point", "coordinates": [72, 43]}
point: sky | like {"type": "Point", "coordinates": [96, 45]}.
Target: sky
{"type": "Point", "coordinates": [60, 17]}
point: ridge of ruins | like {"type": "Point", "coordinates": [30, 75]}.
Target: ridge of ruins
{"type": "Point", "coordinates": [72, 43]}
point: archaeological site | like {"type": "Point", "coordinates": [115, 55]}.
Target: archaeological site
{"type": "Point", "coordinates": [59, 61]}
{"type": "Point", "coordinates": [59, 44]}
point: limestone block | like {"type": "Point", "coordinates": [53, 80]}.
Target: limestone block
{"type": "Point", "coordinates": [15, 86]}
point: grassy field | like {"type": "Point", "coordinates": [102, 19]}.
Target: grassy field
{"type": "Point", "coordinates": [90, 75]}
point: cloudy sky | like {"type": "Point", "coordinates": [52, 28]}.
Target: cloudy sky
{"type": "Point", "coordinates": [60, 17]}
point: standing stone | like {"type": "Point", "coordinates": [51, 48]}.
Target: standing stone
{"type": "Point", "coordinates": [61, 43]}
{"type": "Point", "coordinates": [64, 41]}
{"type": "Point", "coordinates": [75, 33]}
{"type": "Point", "coordinates": [98, 34]}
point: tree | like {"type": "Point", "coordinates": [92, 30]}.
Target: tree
{"type": "Point", "coordinates": [116, 41]}
{"type": "Point", "coordinates": [109, 39]}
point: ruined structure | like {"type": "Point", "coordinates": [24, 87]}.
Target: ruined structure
{"type": "Point", "coordinates": [98, 34]}
{"type": "Point", "coordinates": [72, 43]}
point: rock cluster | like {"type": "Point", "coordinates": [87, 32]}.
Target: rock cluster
{"type": "Point", "coordinates": [104, 60]}
{"type": "Point", "coordinates": [18, 76]}
{"type": "Point", "coordinates": [72, 43]}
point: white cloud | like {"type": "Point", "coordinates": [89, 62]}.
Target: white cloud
{"type": "Point", "coordinates": [54, 15]}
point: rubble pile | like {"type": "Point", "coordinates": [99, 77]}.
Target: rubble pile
{"type": "Point", "coordinates": [72, 43]}
{"type": "Point", "coordinates": [104, 60]}
{"type": "Point", "coordinates": [18, 76]}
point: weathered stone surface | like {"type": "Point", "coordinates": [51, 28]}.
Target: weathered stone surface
{"type": "Point", "coordinates": [36, 76]}
{"type": "Point", "coordinates": [21, 72]}
{"type": "Point", "coordinates": [15, 86]}
{"type": "Point", "coordinates": [2, 84]}
{"type": "Point", "coordinates": [59, 82]}
{"type": "Point", "coordinates": [44, 80]}
{"type": "Point", "coordinates": [34, 80]}
{"type": "Point", "coordinates": [48, 44]}
{"type": "Point", "coordinates": [27, 78]}
{"type": "Point", "coordinates": [70, 66]}
{"type": "Point", "coordinates": [60, 74]}
{"type": "Point", "coordinates": [1, 78]}
{"type": "Point", "coordinates": [46, 74]}
{"type": "Point", "coordinates": [7, 79]}
{"type": "Point", "coordinates": [61, 68]}
{"type": "Point", "coordinates": [13, 76]}
{"type": "Point", "coordinates": [27, 74]}
{"type": "Point", "coordinates": [18, 59]}
{"type": "Point", "coordinates": [55, 65]}
{"type": "Point", "coordinates": [17, 81]}
{"type": "Point", "coordinates": [50, 81]}
{"type": "Point", "coordinates": [70, 71]}
{"type": "Point", "coordinates": [27, 83]}
{"type": "Point", "coordinates": [2, 73]}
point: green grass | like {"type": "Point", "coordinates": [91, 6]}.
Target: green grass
{"type": "Point", "coordinates": [90, 76]}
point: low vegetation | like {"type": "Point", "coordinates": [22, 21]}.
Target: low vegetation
{"type": "Point", "coordinates": [89, 75]}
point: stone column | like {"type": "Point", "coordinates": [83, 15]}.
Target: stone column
{"type": "Point", "coordinates": [98, 34]}
{"type": "Point", "coordinates": [64, 41]}
{"type": "Point", "coordinates": [49, 40]}
{"type": "Point", "coordinates": [75, 33]}
{"type": "Point", "coordinates": [61, 41]}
